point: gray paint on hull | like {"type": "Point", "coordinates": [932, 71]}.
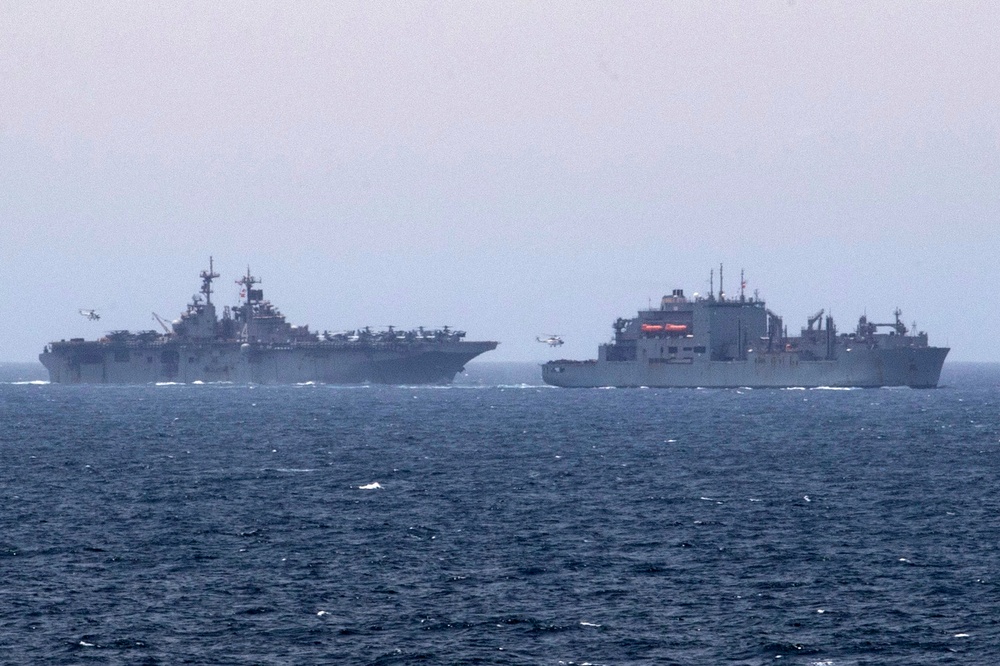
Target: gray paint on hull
{"type": "Point", "coordinates": [101, 363]}
{"type": "Point", "coordinates": [914, 367]}
{"type": "Point", "coordinates": [253, 343]}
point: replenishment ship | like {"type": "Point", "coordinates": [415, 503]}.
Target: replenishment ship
{"type": "Point", "coordinates": [716, 341]}
{"type": "Point", "coordinates": [252, 343]}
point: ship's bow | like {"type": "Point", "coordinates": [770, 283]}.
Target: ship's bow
{"type": "Point", "coordinates": [436, 364]}
{"type": "Point", "coordinates": [916, 367]}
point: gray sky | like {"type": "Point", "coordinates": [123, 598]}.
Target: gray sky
{"type": "Point", "coordinates": [512, 169]}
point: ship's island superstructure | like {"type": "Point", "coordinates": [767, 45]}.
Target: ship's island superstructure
{"type": "Point", "coordinates": [716, 341]}
{"type": "Point", "coordinates": [252, 343]}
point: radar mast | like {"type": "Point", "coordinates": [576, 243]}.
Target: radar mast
{"type": "Point", "coordinates": [248, 281]}
{"type": "Point", "coordinates": [206, 281]}
{"type": "Point", "coordinates": [252, 296]}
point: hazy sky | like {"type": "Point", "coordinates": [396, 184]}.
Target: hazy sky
{"type": "Point", "coordinates": [513, 169]}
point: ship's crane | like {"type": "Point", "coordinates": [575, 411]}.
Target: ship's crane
{"type": "Point", "coordinates": [815, 318]}
{"type": "Point", "coordinates": [163, 324]}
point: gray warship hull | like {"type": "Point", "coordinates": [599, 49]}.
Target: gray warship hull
{"type": "Point", "coordinates": [252, 343]}
{"type": "Point", "coordinates": [916, 368]}
{"type": "Point", "coordinates": [716, 341]}
{"type": "Point", "coordinates": [102, 363]}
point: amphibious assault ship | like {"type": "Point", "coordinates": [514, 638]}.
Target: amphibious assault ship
{"type": "Point", "coordinates": [715, 341]}
{"type": "Point", "coordinates": [252, 343]}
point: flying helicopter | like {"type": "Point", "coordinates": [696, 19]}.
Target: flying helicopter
{"type": "Point", "coordinates": [552, 340]}
{"type": "Point", "coordinates": [90, 314]}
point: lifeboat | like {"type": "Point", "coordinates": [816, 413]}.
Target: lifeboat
{"type": "Point", "coordinates": [664, 328]}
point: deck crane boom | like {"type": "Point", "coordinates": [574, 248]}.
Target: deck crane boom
{"type": "Point", "coordinates": [163, 324]}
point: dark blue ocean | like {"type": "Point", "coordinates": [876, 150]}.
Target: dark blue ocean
{"type": "Point", "coordinates": [500, 523]}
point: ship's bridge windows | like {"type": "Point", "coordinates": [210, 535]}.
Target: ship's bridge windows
{"type": "Point", "coordinates": [671, 350]}
{"type": "Point", "coordinates": [699, 350]}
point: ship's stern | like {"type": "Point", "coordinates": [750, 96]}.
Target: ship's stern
{"type": "Point", "coordinates": [51, 364]}
{"type": "Point", "coordinates": [574, 374]}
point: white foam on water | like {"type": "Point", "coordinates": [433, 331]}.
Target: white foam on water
{"type": "Point", "coordinates": [833, 388]}
{"type": "Point", "coordinates": [588, 624]}
{"type": "Point", "coordinates": [374, 485]}
{"type": "Point", "coordinates": [36, 382]}
{"type": "Point", "coordinates": [469, 387]}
